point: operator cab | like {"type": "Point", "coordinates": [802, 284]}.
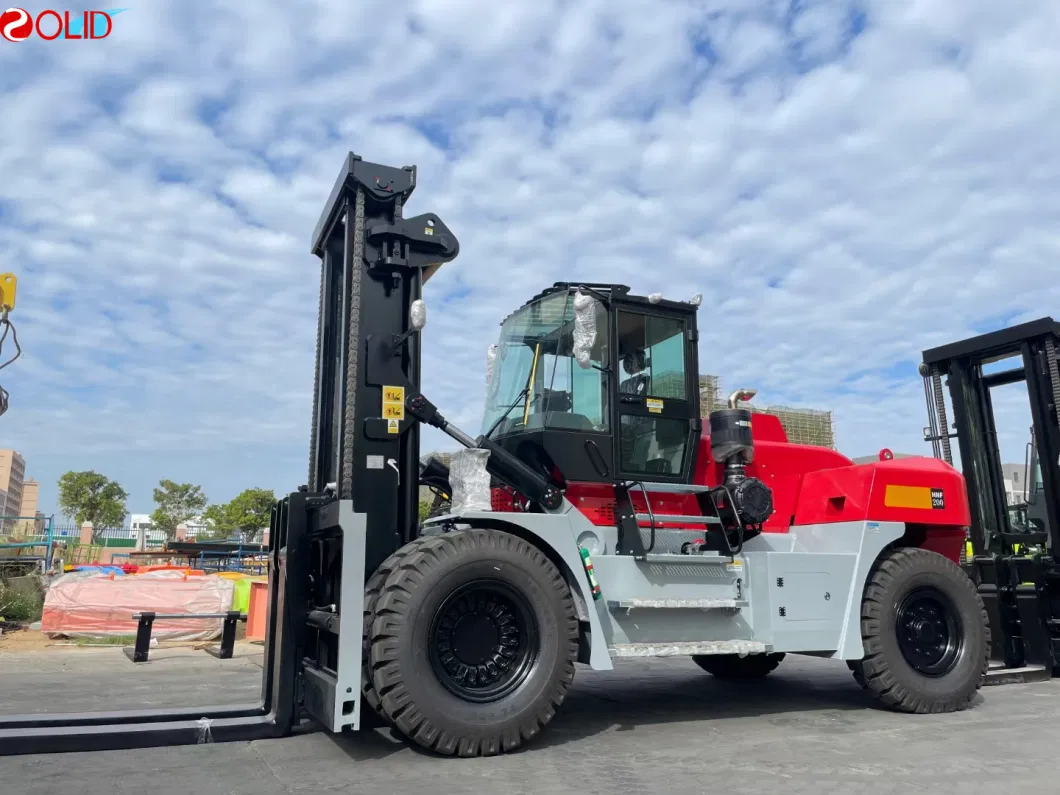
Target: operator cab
{"type": "Point", "coordinates": [592, 384]}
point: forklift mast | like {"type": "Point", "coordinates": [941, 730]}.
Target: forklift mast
{"type": "Point", "coordinates": [374, 264]}
{"type": "Point", "coordinates": [359, 504]}
{"type": "Point", "coordinates": [1021, 593]}
{"type": "Point", "coordinates": [962, 364]}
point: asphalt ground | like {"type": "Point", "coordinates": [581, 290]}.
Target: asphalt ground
{"type": "Point", "coordinates": [658, 726]}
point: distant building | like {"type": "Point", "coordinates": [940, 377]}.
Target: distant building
{"type": "Point", "coordinates": [802, 425]}
{"type": "Point", "coordinates": [141, 523]}
{"type": "Point", "coordinates": [1014, 476]}
{"type": "Point", "coordinates": [195, 527]}
{"type": "Point", "coordinates": [142, 530]}
{"type": "Point", "coordinates": [12, 477]}
{"type": "Point", "coordinates": [30, 497]}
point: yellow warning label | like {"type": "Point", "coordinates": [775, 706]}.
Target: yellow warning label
{"type": "Point", "coordinates": [393, 426]}
{"type": "Point", "coordinates": [393, 403]}
{"type": "Point", "coordinates": [907, 497]}
{"type": "Point", "coordinates": [655, 406]}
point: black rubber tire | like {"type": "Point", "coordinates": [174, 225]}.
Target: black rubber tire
{"type": "Point", "coordinates": [855, 668]}
{"type": "Point", "coordinates": [413, 698]}
{"type": "Point", "coordinates": [372, 589]}
{"type": "Point", "coordinates": [884, 671]}
{"type": "Point", "coordinates": [733, 666]}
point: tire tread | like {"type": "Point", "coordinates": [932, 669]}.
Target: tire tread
{"type": "Point", "coordinates": [372, 591]}
{"type": "Point", "coordinates": [873, 672]}
{"type": "Point", "coordinates": [390, 613]}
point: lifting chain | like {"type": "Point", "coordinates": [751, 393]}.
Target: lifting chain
{"type": "Point", "coordinates": [1054, 375]}
{"type": "Point", "coordinates": [311, 481]}
{"type": "Point", "coordinates": [353, 349]}
{"type": "Point", "coordinates": [940, 405]}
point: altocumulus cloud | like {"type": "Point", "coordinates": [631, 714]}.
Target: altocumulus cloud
{"type": "Point", "coordinates": [846, 182]}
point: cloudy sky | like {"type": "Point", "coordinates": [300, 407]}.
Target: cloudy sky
{"type": "Point", "coordinates": [847, 183]}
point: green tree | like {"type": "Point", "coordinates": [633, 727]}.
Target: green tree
{"type": "Point", "coordinates": [247, 515]}
{"type": "Point", "coordinates": [176, 503]}
{"type": "Point", "coordinates": [92, 497]}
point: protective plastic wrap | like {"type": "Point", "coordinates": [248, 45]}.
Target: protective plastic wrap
{"type": "Point", "coordinates": [491, 360]}
{"type": "Point", "coordinates": [85, 604]}
{"type": "Point", "coordinates": [470, 481]}
{"type": "Point", "coordinates": [584, 328]}
{"type": "Point", "coordinates": [418, 314]}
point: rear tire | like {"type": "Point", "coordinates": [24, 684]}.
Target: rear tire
{"type": "Point", "coordinates": [925, 632]}
{"type": "Point", "coordinates": [733, 666]}
{"type": "Point", "coordinates": [474, 643]}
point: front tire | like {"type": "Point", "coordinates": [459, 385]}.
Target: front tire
{"type": "Point", "coordinates": [372, 590]}
{"type": "Point", "coordinates": [474, 643]}
{"type": "Point", "coordinates": [925, 632]}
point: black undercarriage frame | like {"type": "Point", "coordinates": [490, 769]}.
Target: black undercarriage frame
{"type": "Point", "coordinates": [1021, 592]}
{"type": "Point", "coordinates": [374, 265]}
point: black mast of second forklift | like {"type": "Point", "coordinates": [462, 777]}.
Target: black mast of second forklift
{"type": "Point", "coordinates": [1021, 592]}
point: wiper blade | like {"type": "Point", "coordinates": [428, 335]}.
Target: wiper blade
{"type": "Point", "coordinates": [508, 411]}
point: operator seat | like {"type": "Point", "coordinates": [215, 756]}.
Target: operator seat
{"type": "Point", "coordinates": [639, 382]}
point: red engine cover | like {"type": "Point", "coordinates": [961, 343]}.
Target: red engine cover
{"type": "Point", "coordinates": [816, 485]}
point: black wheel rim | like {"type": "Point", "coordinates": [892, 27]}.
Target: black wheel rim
{"type": "Point", "coordinates": [930, 634]}
{"type": "Point", "coordinates": [483, 641]}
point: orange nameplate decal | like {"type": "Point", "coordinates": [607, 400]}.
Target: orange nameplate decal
{"type": "Point", "coordinates": [908, 497]}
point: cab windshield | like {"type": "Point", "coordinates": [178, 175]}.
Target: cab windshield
{"type": "Point", "coordinates": [536, 380]}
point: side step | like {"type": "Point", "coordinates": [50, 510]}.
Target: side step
{"type": "Point", "coordinates": [660, 519]}
{"type": "Point", "coordinates": [700, 557]}
{"type": "Point", "coordinates": [998, 674]}
{"type": "Point", "coordinates": [688, 604]}
{"type": "Point", "coordinates": [687, 649]}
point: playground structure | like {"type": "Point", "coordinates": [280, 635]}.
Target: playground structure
{"type": "Point", "coordinates": [29, 544]}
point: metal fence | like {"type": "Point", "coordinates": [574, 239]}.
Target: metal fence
{"type": "Point", "coordinates": [40, 538]}
{"type": "Point", "coordinates": [106, 536]}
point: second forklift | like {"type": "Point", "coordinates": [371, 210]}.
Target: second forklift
{"type": "Point", "coordinates": [1015, 564]}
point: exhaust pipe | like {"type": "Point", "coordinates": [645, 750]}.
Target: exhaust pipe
{"type": "Point", "coordinates": [741, 394]}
